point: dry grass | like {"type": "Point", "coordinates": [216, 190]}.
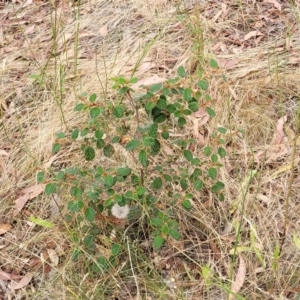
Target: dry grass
{"type": "Point", "coordinates": [146, 37]}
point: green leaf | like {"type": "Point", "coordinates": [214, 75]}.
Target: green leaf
{"type": "Point", "coordinates": [75, 254]}
{"type": "Point", "coordinates": [123, 171]}
{"type": "Point", "coordinates": [218, 186]}
{"type": "Point", "coordinates": [213, 63]}
{"type": "Point", "coordinates": [148, 141]}
{"type": "Point", "coordinates": [149, 106]}
{"type": "Point", "coordinates": [89, 214]}
{"type": "Point", "coordinates": [140, 190]}
{"type": "Point", "coordinates": [158, 242]}
{"type": "Point", "coordinates": [133, 80]}
{"type": "Point", "coordinates": [84, 132]}
{"type": "Point", "coordinates": [135, 179]}
{"type": "Point", "coordinates": [40, 177]}
{"type": "Point", "coordinates": [88, 240]}
{"type": "Point", "coordinates": [79, 107]}
{"type": "Point", "coordinates": [133, 144]}
{"type": "Point", "coordinates": [222, 130]}
{"type": "Point", "coordinates": [181, 72]}
{"type": "Point", "coordinates": [157, 222]}
{"type": "Point", "coordinates": [118, 199]}
{"type": "Point", "coordinates": [152, 131]}
{"type": "Point", "coordinates": [174, 234]}
{"type": "Point", "coordinates": [115, 249]}
{"type": "Point", "coordinates": [186, 204]}
{"type": "Point", "coordinates": [99, 134]}
{"type": "Point", "coordinates": [187, 112]}
{"type": "Point", "coordinates": [116, 139]}
{"type": "Point", "coordinates": [89, 153]}
{"type": "Point", "coordinates": [183, 184]}
{"type": "Point", "coordinates": [210, 111]}
{"type": "Point", "coordinates": [75, 206]}
{"type": "Point", "coordinates": [193, 106]}
{"type": "Point", "coordinates": [157, 183]}
{"type": "Point", "coordinates": [171, 108]}
{"type": "Point", "coordinates": [165, 135]}
{"type": "Point", "coordinates": [168, 177]}
{"type": "Point", "coordinates": [212, 173]}
{"type": "Point", "coordinates": [165, 229]}
{"type": "Point", "coordinates": [162, 102]}
{"type": "Point", "coordinates": [198, 184]}
{"type": "Point", "coordinates": [50, 188]}
{"type": "Point", "coordinates": [108, 181]}
{"type": "Point", "coordinates": [143, 158]}
{"type": "Point", "coordinates": [121, 80]}
{"type": "Point", "coordinates": [221, 197]}
{"type": "Point", "coordinates": [74, 134]}
{"type": "Point", "coordinates": [195, 161]}
{"type": "Point", "coordinates": [60, 135]}
{"type": "Point", "coordinates": [123, 90]}
{"type": "Point", "coordinates": [188, 155]}
{"type": "Point", "coordinates": [221, 152]}
{"type": "Point", "coordinates": [118, 111]}
{"type": "Point", "coordinates": [110, 192]}
{"type": "Point", "coordinates": [94, 112]}
{"type": "Point", "coordinates": [181, 121]}
{"type": "Point", "coordinates": [55, 148]}
{"type": "Point", "coordinates": [203, 85]}
{"type": "Point", "coordinates": [155, 148]}
{"type": "Point", "coordinates": [160, 118]}
{"type": "Point", "coordinates": [156, 111]}
{"type": "Point", "coordinates": [76, 191]}
{"type": "Point", "coordinates": [108, 150]}
{"type": "Point", "coordinates": [93, 98]}
{"type": "Point", "coordinates": [100, 143]}
{"type": "Point", "coordinates": [60, 175]}
{"type": "Point", "coordinates": [187, 94]}
{"type": "Point", "coordinates": [207, 151]}
{"type": "Point", "coordinates": [41, 222]}
{"type": "Point", "coordinates": [155, 87]}
{"type": "Point", "coordinates": [214, 158]}
{"type": "Point", "coordinates": [101, 265]}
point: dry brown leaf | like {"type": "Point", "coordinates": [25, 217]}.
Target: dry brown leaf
{"type": "Point", "coordinates": [233, 93]}
{"type": "Point", "coordinates": [28, 2]}
{"type": "Point", "coordinates": [239, 278]}
{"type": "Point", "coordinates": [214, 246]}
{"type": "Point", "coordinates": [35, 262]}
{"type": "Point", "coordinates": [168, 150]}
{"type": "Point", "coordinates": [275, 3]}
{"type": "Point", "coordinates": [103, 30]}
{"type": "Point", "coordinates": [29, 30]}
{"type": "Point", "coordinates": [4, 228]}
{"type": "Point", "coordinates": [251, 34]}
{"type": "Point", "coordinates": [218, 14]}
{"type": "Point", "coordinates": [200, 113]}
{"type": "Point", "coordinates": [28, 194]}
{"type": "Point", "coordinates": [149, 81]}
{"type": "Point", "coordinates": [53, 256]}
{"type": "Point", "coordinates": [145, 66]}
{"type": "Point", "coordinates": [279, 130]}
{"type": "Point", "coordinates": [4, 275]}
{"type": "Point", "coordinates": [228, 64]}
{"type": "Point", "coordinates": [3, 152]}
{"type": "Point", "coordinates": [259, 24]}
{"type": "Point", "coordinates": [203, 115]}
{"type": "Point", "coordinates": [23, 282]}
{"type": "Point", "coordinates": [8, 276]}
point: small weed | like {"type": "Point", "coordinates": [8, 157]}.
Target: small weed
{"type": "Point", "coordinates": [150, 183]}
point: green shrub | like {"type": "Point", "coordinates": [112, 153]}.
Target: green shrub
{"type": "Point", "coordinates": [144, 182]}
